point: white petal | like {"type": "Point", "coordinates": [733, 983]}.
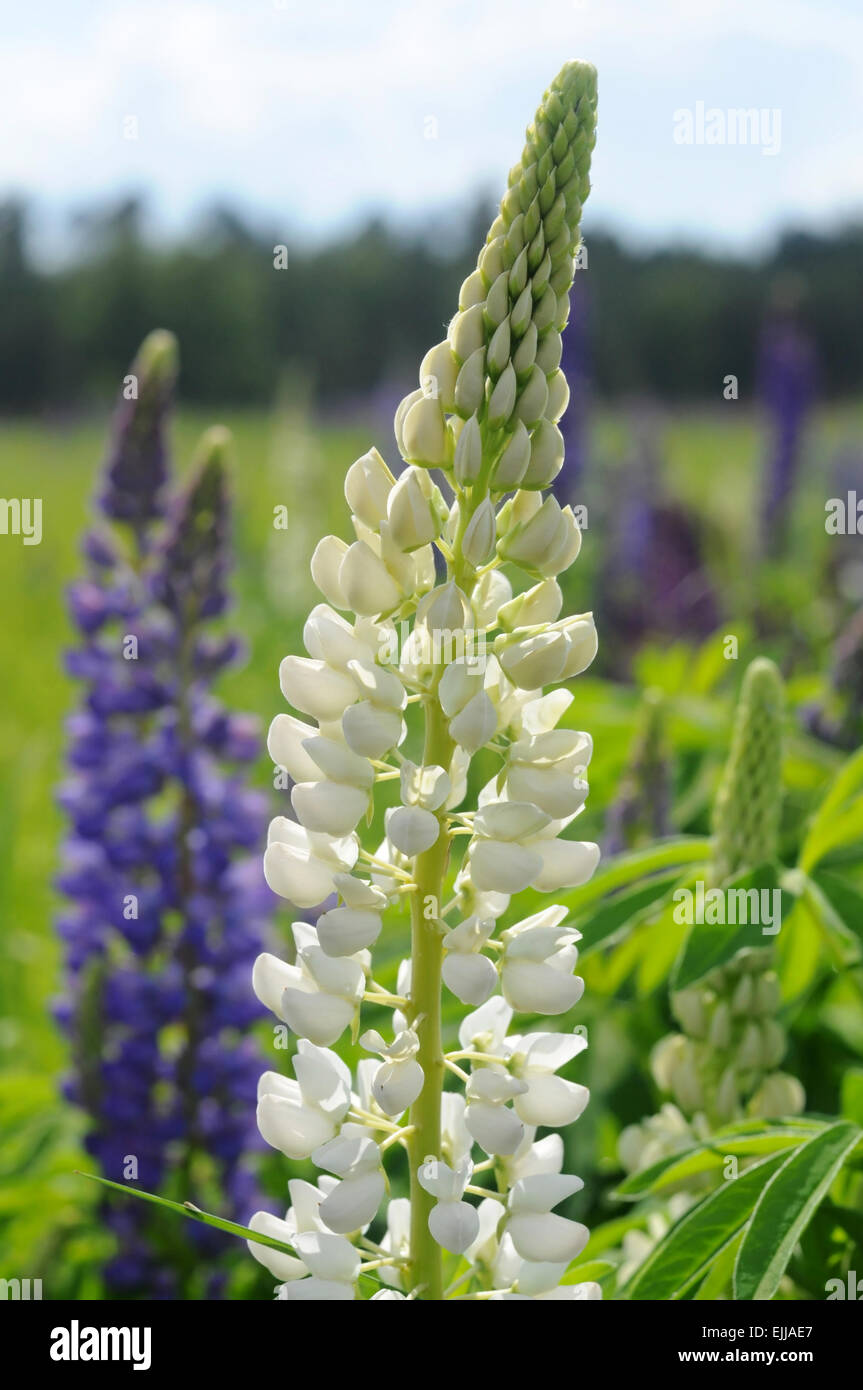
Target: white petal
{"type": "Point", "coordinates": [411, 829]}
{"type": "Point", "coordinates": [366, 582]}
{"type": "Point", "coordinates": [472, 978]}
{"type": "Point", "coordinates": [547, 1238]}
{"type": "Point", "coordinates": [454, 1225]}
{"type": "Point", "coordinates": [500, 867]}
{"type": "Point", "coordinates": [285, 747]}
{"type": "Point", "coordinates": [344, 930]}
{"type": "Point", "coordinates": [543, 1191]}
{"type": "Point", "coordinates": [533, 988]}
{"type": "Point", "coordinates": [494, 1127]}
{"type": "Point", "coordinates": [565, 864]}
{"type": "Point", "coordinates": [551, 1101]}
{"type": "Point", "coordinates": [325, 565]}
{"type": "Point", "coordinates": [318, 1291]}
{"type": "Point", "coordinates": [328, 1256]}
{"type": "Point", "coordinates": [281, 1266]}
{"type": "Point", "coordinates": [332, 808]}
{"type": "Point", "coordinates": [473, 726]}
{"type": "Point", "coordinates": [295, 1130]}
{"type": "Point", "coordinates": [353, 1203]}
{"type": "Point", "coordinates": [315, 688]}
{"type": "Point", "coordinates": [270, 978]}
{"type": "Point", "coordinates": [370, 731]}
{"type": "Point", "coordinates": [397, 1085]}
{"type": "Point", "coordinates": [322, 1018]}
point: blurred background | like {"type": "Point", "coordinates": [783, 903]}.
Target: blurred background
{"type": "Point", "coordinates": [297, 196]}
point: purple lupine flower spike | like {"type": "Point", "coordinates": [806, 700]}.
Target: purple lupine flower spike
{"type": "Point", "coordinates": [167, 908]}
{"type": "Point", "coordinates": [787, 372]}
{"type": "Point", "coordinates": [136, 468]}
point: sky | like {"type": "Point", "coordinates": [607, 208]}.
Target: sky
{"type": "Point", "coordinates": [310, 115]}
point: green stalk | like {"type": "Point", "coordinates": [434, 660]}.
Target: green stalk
{"type": "Point", "coordinates": [425, 1271]}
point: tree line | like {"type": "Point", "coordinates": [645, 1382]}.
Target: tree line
{"type": "Point", "coordinates": [356, 314]}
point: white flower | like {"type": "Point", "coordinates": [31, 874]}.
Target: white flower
{"type": "Point", "coordinates": [371, 730]}
{"type": "Point", "coordinates": [453, 1223]}
{"type": "Point", "coordinates": [411, 511]}
{"type": "Point", "coordinates": [354, 1201]}
{"type": "Point", "coordinates": [329, 808]}
{"type": "Point", "coordinates": [549, 1099]}
{"type": "Point", "coordinates": [367, 487]}
{"type": "Point", "coordinates": [318, 996]}
{"type": "Point", "coordinates": [300, 865]}
{"type": "Point", "coordinates": [296, 1116]}
{"type": "Point", "coordinates": [411, 829]}
{"type": "Point", "coordinates": [537, 964]}
{"type": "Point", "coordinates": [428, 787]}
{"type": "Point", "coordinates": [334, 1265]}
{"type": "Point", "coordinates": [399, 1081]}
{"type": "Point", "coordinates": [495, 1127]}
{"type": "Point", "coordinates": [547, 769]}
{"type": "Point", "coordinates": [345, 930]}
{"type": "Point", "coordinates": [479, 536]}
{"type": "Point", "coordinates": [316, 688]}
{"type": "Point", "coordinates": [537, 1234]}
{"type": "Point", "coordinates": [470, 975]}
{"type": "Point", "coordinates": [475, 724]}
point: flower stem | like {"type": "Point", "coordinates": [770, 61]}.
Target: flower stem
{"type": "Point", "coordinates": [426, 961]}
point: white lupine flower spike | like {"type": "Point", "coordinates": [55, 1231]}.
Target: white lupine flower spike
{"type": "Point", "coordinates": [409, 674]}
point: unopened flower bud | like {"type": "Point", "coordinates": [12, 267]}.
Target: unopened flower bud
{"type": "Point", "coordinates": [411, 513]}
{"type": "Point", "coordinates": [468, 453]}
{"type": "Point", "coordinates": [479, 537]}
{"type": "Point", "coordinates": [424, 434]}
{"type": "Point", "coordinates": [367, 487]}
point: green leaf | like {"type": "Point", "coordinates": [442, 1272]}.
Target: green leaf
{"type": "Point", "coordinates": [710, 945]}
{"type": "Point", "coordinates": [786, 1207]}
{"type": "Point", "coordinates": [845, 903]}
{"type": "Point", "coordinates": [624, 910]}
{"type": "Point", "coordinates": [232, 1228]}
{"type": "Point", "coordinates": [705, 1158]}
{"type": "Point", "coordinates": [588, 1271]}
{"type": "Point", "coordinates": [822, 831]}
{"type": "Point", "coordinates": [852, 1095]}
{"type": "Point", "coordinates": [626, 869]}
{"type": "Point", "coordinates": [699, 1237]}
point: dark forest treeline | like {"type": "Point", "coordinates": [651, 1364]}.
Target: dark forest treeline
{"type": "Point", "coordinates": [360, 312]}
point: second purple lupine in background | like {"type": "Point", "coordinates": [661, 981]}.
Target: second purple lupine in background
{"type": "Point", "coordinates": [167, 910]}
{"type": "Point", "coordinates": [787, 372]}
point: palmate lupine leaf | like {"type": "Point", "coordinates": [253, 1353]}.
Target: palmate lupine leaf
{"type": "Point", "coordinates": [785, 1208]}
{"type": "Point", "coordinates": [709, 946]}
